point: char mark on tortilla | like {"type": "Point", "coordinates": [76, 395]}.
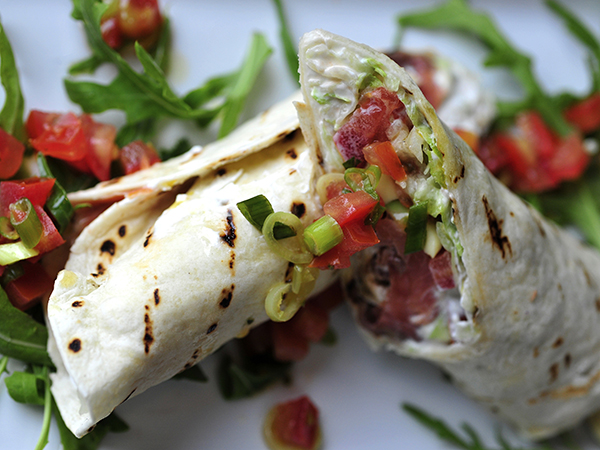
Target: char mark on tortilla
{"type": "Point", "coordinates": [148, 337]}
{"type": "Point", "coordinates": [495, 225]}
{"type": "Point", "coordinates": [228, 236]}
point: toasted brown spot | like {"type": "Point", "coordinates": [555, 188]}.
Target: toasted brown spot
{"type": "Point", "coordinates": [156, 297]}
{"type": "Point", "coordinates": [109, 247]}
{"type": "Point", "coordinates": [536, 352]}
{"type": "Point", "coordinates": [292, 153]}
{"type": "Point", "coordinates": [77, 304]}
{"type": "Point", "coordinates": [148, 337]}
{"type": "Point", "coordinates": [249, 320]}
{"type": "Point", "coordinates": [147, 240]}
{"type": "Point", "coordinates": [553, 372]}
{"type": "Point", "coordinates": [227, 296]}
{"type": "Point", "coordinates": [568, 360]}
{"type": "Point", "coordinates": [558, 342]}
{"type": "Point", "coordinates": [462, 175]}
{"type": "Point", "coordinates": [232, 260]}
{"type": "Point", "coordinates": [228, 236]}
{"type": "Point", "coordinates": [123, 232]}
{"type": "Point", "coordinates": [212, 328]}
{"type": "Point", "coordinates": [495, 226]}
{"type": "Point", "coordinates": [298, 209]}
{"type": "Point", "coordinates": [222, 171]}
{"type": "Point", "coordinates": [532, 401]}
{"type": "Point", "coordinates": [75, 345]}
{"type": "Point", "coordinates": [598, 304]}
{"type": "Point", "coordinates": [100, 269]}
{"type": "Point", "coordinates": [512, 214]}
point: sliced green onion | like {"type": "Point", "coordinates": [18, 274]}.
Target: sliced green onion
{"type": "Point", "coordinates": [292, 249]}
{"type": "Point", "coordinates": [15, 251]}
{"type": "Point", "coordinates": [375, 215]}
{"type": "Point", "coordinates": [6, 229]}
{"type": "Point", "coordinates": [285, 299]}
{"type": "Point", "coordinates": [363, 179]}
{"type": "Point", "coordinates": [322, 235]}
{"type": "Point", "coordinates": [281, 303]}
{"type": "Point", "coordinates": [26, 221]}
{"type": "Point", "coordinates": [416, 228]}
{"type": "Point", "coordinates": [256, 210]}
{"type": "Point", "coordinates": [57, 204]}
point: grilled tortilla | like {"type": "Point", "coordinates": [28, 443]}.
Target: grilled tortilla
{"type": "Point", "coordinates": [500, 298]}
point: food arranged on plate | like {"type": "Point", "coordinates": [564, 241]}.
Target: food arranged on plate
{"type": "Point", "coordinates": [396, 177]}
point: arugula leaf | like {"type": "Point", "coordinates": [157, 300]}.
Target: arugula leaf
{"type": "Point", "coordinates": [238, 381]}
{"type": "Point", "coordinates": [3, 364]}
{"type": "Point", "coordinates": [291, 53]}
{"type": "Point", "coordinates": [21, 337]}
{"type": "Point", "coordinates": [584, 35]}
{"type": "Point", "coordinates": [11, 116]}
{"type": "Point", "coordinates": [457, 15]}
{"type": "Point", "coordinates": [447, 434]}
{"type": "Point", "coordinates": [258, 54]}
{"type": "Point", "coordinates": [58, 204]}
{"type": "Point", "coordinates": [27, 387]}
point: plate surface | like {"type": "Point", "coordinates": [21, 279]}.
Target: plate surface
{"type": "Point", "coordinates": [358, 392]}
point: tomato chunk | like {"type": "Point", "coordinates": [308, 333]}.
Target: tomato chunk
{"type": "Point", "coordinates": [137, 155]}
{"type": "Point", "coordinates": [350, 207]}
{"type": "Point", "coordinates": [26, 290]}
{"type": "Point", "coordinates": [383, 155]}
{"type": "Point", "coordinates": [585, 115]}
{"type": "Point", "coordinates": [131, 20]}
{"type": "Point", "coordinates": [11, 154]}
{"type": "Point", "coordinates": [62, 136]}
{"type": "Point", "coordinates": [35, 189]}
{"type": "Point", "coordinates": [294, 424]}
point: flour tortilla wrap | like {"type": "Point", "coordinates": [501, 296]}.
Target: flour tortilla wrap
{"type": "Point", "coordinates": [520, 330]}
{"type": "Point", "coordinates": [167, 275]}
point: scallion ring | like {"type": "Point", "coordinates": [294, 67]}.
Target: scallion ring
{"type": "Point", "coordinates": [25, 220]}
{"type": "Point", "coordinates": [304, 279]}
{"type": "Point", "coordinates": [15, 251]}
{"type": "Point", "coordinates": [6, 229]}
{"type": "Point", "coordinates": [322, 235]}
{"type": "Point", "coordinates": [293, 248]}
{"type": "Point", "coordinates": [281, 303]}
{"type": "Point", "coordinates": [363, 179]}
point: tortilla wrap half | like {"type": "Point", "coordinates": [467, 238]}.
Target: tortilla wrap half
{"type": "Point", "coordinates": [513, 314]}
{"type": "Point", "coordinates": [138, 303]}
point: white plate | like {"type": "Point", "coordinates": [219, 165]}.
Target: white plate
{"type": "Point", "coordinates": [358, 393]}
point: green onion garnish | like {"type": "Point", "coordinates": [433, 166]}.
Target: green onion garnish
{"type": "Point", "coordinates": [292, 249]}
{"type": "Point", "coordinates": [375, 215]}
{"type": "Point", "coordinates": [322, 235]}
{"type": "Point", "coordinates": [11, 273]}
{"type": "Point", "coordinates": [57, 204]}
{"type": "Point", "coordinates": [256, 210]}
{"type": "Point", "coordinates": [7, 230]}
{"type": "Point", "coordinates": [416, 228]}
{"type": "Point", "coordinates": [26, 221]}
{"type": "Point", "coordinates": [15, 251]}
{"type": "Point", "coordinates": [281, 303]}
{"type": "Point", "coordinates": [363, 179]}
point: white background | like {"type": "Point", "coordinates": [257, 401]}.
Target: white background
{"type": "Point", "coordinates": [358, 393]}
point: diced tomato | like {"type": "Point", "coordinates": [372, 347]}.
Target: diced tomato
{"type": "Point", "coordinates": [62, 136]}
{"type": "Point", "coordinates": [51, 238]}
{"type": "Point", "coordinates": [137, 155]}
{"type": "Point", "coordinates": [100, 138]}
{"type": "Point", "coordinates": [25, 291]}
{"type": "Point", "coordinates": [310, 322]}
{"type": "Point", "coordinates": [293, 424]}
{"type": "Point", "coordinates": [35, 189]}
{"type": "Point", "coordinates": [530, 157]}
{"type": "Point", "coordinates": [11, 154]}
{"type": "Point", "coordinates": [139, 18]}
{"type": "Point", "coordinates": [357, 237]}
{"type": "Point", "coordinates": [111, 32]}
{"type": "Point", "coordinates": [288, 346]}
{"type": "Point", "coordinates": [353, 206]}
{"type": "Point", "coordinates": [383, 155]}
{"type": "Point", "coordinates": [330, 298]}
{"type": "Point", "coordinates": [585, 115]}
{"type": "Point", "coordinates": [368, 123]}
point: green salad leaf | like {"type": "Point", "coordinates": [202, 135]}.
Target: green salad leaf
{"type": "Point", "coordinates": [21, 337]}
{"type": "Point", "coordinates": [11, 116]}
{"type": "Point", "coordinates": [289, 48]}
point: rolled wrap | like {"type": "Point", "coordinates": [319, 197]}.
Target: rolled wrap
{"type": "Point", "coordinates": [524, 320]}
{"type": "Point", "coordinates": [167, 275]}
